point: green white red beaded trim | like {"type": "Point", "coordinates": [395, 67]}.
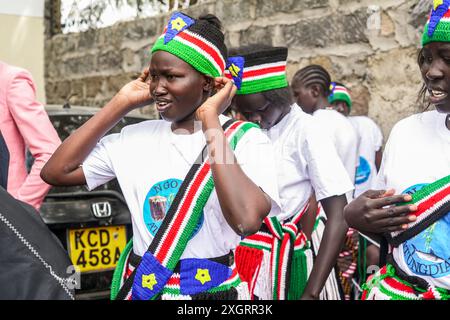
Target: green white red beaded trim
{"type": "Point", "coordinates": [386, 285]}
{"type": "Point", "coordinates": [195, 50]}
{"type": "Point", "coordinates": [179, 225]}
{"type": "Point", "coordinates": [282, 241]}
{"type": "Point", "coordinates": [433, 202]}
{"type": "Point", "coordinates": [183, 215]}
{"type": "Point", "coordinates": [263, 77]}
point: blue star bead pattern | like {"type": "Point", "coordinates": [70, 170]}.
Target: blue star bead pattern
{"type": "Point", "coordinates": [440, 7]}
{"type": "Point", "coordinates": [235, 65]}
{"type": "Point", "coordinates": [178, 22]}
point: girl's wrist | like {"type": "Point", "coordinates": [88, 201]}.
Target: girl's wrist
{"type": "Point", "coordinates": [122, 102]}
{"type": "Point", "coordinates": [209, 121]}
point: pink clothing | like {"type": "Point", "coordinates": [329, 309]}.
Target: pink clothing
{"type": "Point", "coordinates": [24, 123]}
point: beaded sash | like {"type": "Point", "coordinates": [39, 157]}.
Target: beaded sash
{"type": "Point", "coordinates": [171, 239]}
{"type": "Point", "coordinates": [433, 202]}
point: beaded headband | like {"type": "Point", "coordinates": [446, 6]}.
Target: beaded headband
{"type": "Point", "coordinates": [197, 42]}
{"type": "Point", "coordinates": [340, 93]}
{"type": "Point", "coordinates": [258, 71]}
{"type": "Point", "coordinates": [437, 28]}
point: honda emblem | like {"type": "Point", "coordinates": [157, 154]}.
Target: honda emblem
{"type": "Point", "coordinates": [101, 209]}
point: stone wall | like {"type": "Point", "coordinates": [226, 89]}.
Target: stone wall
{"type": "Point", "coordinates": [369, 45]}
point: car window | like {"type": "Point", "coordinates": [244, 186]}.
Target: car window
{"type": "Point", "coordinates": [66, 124]}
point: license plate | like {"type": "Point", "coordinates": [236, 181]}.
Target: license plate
{"type": "Point", "coordinates": [96, 249]}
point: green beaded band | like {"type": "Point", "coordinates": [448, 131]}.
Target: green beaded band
{"type": "Point", "coordinates": [191, 56]}
{"type": "Point", "coordinates": [265, 84]}
{"type": "Point", "coordinates": [441, 34]}
{"type": "Point", "coordinates": [341, 96]}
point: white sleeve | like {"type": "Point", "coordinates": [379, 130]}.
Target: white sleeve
{"type": "Point", "coordinates": [97, 167]}
{"type": "Point", "coordinates": [380, 183]}
{"type": "Point", "coordinates": [378, 137]}
{"type": "Point", "coordinates": [255, 155]}
{"type": "Point", "coordinates": [326, 171]}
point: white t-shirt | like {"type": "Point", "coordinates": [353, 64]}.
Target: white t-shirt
{"type": "Point", "coordinates": [150, 163]}
{"type": "Point", "coordinates": [416, 154]}
{"type": "Point", "coordinates": [344, 137]}
{"type": "Point", "coordinates": [370, 141]}
{"type": "Point", "coordinates": [306, 158]}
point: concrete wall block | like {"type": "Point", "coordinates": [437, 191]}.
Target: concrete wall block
{"type": "Point", "coordinates": [144, 55]}
{"type": "Point", "coordinates": [196, 11]}
{"type": "Point", "coordinates": [256, 34]}
{"type": "Point", "coordinates": [231, 11]}
{"type": "Point", "coordinates": [62, 44]}
{"type": "Point", "coordinates": [393, 86]}
{"type": "Point", "coordinates": [79, 66]}
{"type": "Point", "coordinates": [111, 37]}
{"type": "Point", "coordinates": [110, 60]}
{"type": "Point", "coordinates": [65, 44]}
{"type": "Point", "coordinates": [131, 61]}
{"type": "Point", "coordinates": [405, 33]}
{"type": "Point", "coordinates": [87, 39]}
{"type": "Point", "coordinates": [306, 33]}
{"type": "Point", "coordinates": [387, 25]}
{"type": "Point", "coordinates": [351, 66]}
{"type": "Point", "coordinates": [78, 89]}
{"type": "Point", "coordinates": [266, 8]}
{"type": "Point", "coordinates": [143, 28]}
{"type": "Point", "coordinates": [58, 90]}
{"type": "Point", "coordinates": [332, 29]}
{"type": "Point", "coordinates": [353, 26]}
{"type": "Point", "coordinates": [232, 39]}
{"type": "Point", "coordinates": [360, 98]}
{"type": "Point", "coordinates": [93, 86]}
{"type": "Point", "coordinates": [115, 82]}
{"type": "Point", "coordinates": [353, 4]}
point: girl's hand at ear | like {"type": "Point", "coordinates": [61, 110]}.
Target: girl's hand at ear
{"type": "Point", "coordinates": [218, 103]}
{"type": "Point", "coordinates": [137, 92]}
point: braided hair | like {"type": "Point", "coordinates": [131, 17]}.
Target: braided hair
{"type": "Point", "coordinates": [313, 74]}
{"type": "Point", "coordinates": [422, 95]}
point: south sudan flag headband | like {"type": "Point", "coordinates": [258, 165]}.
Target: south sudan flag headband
{"type": "Point", "coordinates": [197, 42]}
{"type": "Point", "coordinates": [437, 28]}
{"type": "Point", "coordinates": [339, 93]}
{"type": "Point", "coordinates": [258, 71]}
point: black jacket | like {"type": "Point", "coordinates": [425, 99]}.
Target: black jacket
{"type": "Point", "coordinates": [33, 263]}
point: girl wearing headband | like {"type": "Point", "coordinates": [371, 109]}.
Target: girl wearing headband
{"type": "Point", "coordinates": [311, 87]}
{"type": "Point", "coordinates": [277, 261]}
{"type": "Point", "coordinates": [194, 181]}
{"type": "Point", "coordinates": [411, 208]}
{"type": "Point", "coordinates": [370, 138]}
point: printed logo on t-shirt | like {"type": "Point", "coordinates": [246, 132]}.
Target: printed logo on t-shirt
{"type": "Point", "coordinates": [157, 204]}
{"type": "Point", "coordinates": [363, 171]}
{"type": "Point", "coordinates": [428, 253]}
